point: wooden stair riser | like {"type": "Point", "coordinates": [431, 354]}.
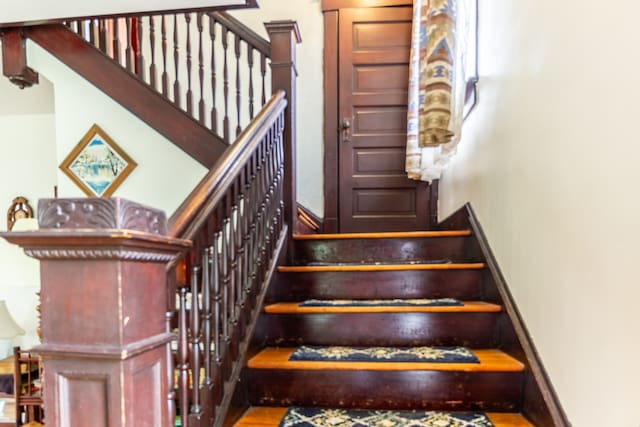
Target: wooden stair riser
{"type": "Point", "coordinates": [380, 250]}
{"type": "Point", "coordinates": [477, 330]}
{"type": "Point", "coordinates": [487, 391]}
{"type": "Point", "coordinates": [460, 284]}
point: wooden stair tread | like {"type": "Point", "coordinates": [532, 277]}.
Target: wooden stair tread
{"type": "Point", "coordinates": [263, 416]}
{"type": "Point", "coordinates": [384, 235]}
{"type": "Point", "coordinates": [379, 267]}
{"type": "Point", "coordinates": [490, 361]}
{"type": "Point", "coordinates": [468, 307]}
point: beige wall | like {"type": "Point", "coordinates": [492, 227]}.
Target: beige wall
{"type": "Point", "coordinates": [549, 161]}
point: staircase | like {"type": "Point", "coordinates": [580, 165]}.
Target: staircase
{"type": "Point", "coordinates": [382, 266]}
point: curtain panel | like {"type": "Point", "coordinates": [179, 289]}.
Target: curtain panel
{"type": "Point", "coordinates": [436, 86]}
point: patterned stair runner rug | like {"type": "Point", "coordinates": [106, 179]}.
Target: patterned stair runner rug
{"type": "Point", "coordinates": [318, 417]}
{"type": "Point", "coordinates": [385, 354]}
{"type": "Point", "coordinates": [420, 302]}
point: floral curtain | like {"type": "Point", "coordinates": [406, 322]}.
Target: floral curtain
{"type": "Point", "coordinates": [436, 86]}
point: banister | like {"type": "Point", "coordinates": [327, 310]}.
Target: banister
{"type": "Point", "coordinates": [246, 33]}
{"type": "Point", "coordinates": [192, 213]}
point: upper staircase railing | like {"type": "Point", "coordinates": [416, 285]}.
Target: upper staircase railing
{"type": "Point", "coordinates": [208, 64]}
{"type": "Point", "coordinates": [115, 273]}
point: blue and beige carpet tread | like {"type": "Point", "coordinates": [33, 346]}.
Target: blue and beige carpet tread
{"type": "Point", "coordinates": [380, 267]}
{"type": "Point", "coordinates": [491, 360]}
{"type": "Point", "coordinates": [385, 235]}
{"type": "Point", "coordinates": [466, 307]}
{"type": "Point", "coordinates": [262, 416]}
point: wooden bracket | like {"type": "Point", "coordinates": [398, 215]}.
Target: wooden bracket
{"type": "Point", "coordinates": [14, 59]}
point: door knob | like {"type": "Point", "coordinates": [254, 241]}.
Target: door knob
{"type": "Point", "coordinates": [346, 130]}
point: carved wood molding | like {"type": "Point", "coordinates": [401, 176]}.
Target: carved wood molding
{"type": "Point", "coordinates": [14, 59]}
{"type": "Point", "coordinates": [118, 253]}
{"type": "Point", "coordinates": [97, 213]}
{"type": "Point", "coordinates": [343, 4]}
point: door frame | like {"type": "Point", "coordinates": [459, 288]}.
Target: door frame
{"type": "Point", "coordinates": [331, 9]}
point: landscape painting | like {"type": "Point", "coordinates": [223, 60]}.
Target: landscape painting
{"type": "Point", "coordinates": [97, 165]}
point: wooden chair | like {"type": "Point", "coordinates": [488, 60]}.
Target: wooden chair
{"type": "Point", "coordinates": [28, 389]}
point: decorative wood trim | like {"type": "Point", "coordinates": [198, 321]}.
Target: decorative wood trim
{"type": "Point", "coordinates": [99, 213]}
{"type": "Point", "coordinates": [381, 267]}
{"type": "Point", "coordinates": [151, 107]}
{"type": "Point", "coordinates": [331, 171]}
{"type": "Point", "coordinates": [308, 223]}
{"type": "Point", "coordinates": [14, 59]}
{"type": "Point", "coordinates": [328, 5]}
{"type": "Point", "coordinates": [541, 403]}
{"type": "Point", "coordinates": [386, 235]}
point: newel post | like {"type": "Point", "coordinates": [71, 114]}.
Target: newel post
{"type": "Point", "coordinates": [103, 300]}
{"type": "Point", "coordinates": [14, 58]}
{"type": "Point", "coordinates": [284, 35]}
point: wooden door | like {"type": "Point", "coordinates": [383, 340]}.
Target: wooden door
{"type": "Point", "coordinates": [374, 192]}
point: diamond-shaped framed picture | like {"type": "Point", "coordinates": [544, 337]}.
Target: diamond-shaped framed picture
{"type": "Point", "coordinates": [97, 164]}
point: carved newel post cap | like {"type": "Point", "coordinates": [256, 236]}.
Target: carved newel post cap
{"type": "Point", "coordinates": [100, 213]}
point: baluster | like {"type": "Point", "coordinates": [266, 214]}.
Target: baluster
{"type": "Point", "coordinates": [225, 86]}
{"type": "Point", "coordinates": [263, 73]}
{"type": "Point", "coordinates": [80, 26]}
{"type": "Point", "coordinates": [207, 261]}
{"type": "Point", "coordinates": [165, 75]}
{"type": "Point", "coordinates": [237, 52]}
{"type": "Point", "coordinates": [235, 279]}
{"type": "Point", "coordinates": [224, 280]}
{"type": "Point", "coordinates": [152, 41]}
{"type": "Point", "coordinates": [183, 359]}
{"type": "Point", "coordinates": [217, 297]}
{"type": "Point", "coordinates": [92, 35]}
{"type": "Point", "coordinates": [116, 41]}
{"type": "Point", "coordinates": [139, 57]}
{"type": "Point", "coordinates": [250, 64]}
{"type": "Point", "coordinates": [201, 111]}
{"type": "Point", "coordinates": [102, 35]}
{"type": "Point", "coordinates": [214, 110]}
{"type": "Point", "coordinates": [195, 341]}
{"type": "Point", "coordinates": [171, 394]}
{"type": "Point", "coordinates": [128, 50]}
{"type": "Point", "coordinates": [176, 60]}
{"type": "Point", "coordinates": [230, 258]}
{"type": "Point", "coordinates": [187, 17]}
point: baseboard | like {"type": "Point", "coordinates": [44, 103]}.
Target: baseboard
{"type": "Point", "coordinates": [307, 222]}
{"type": "Point", "coordinates": [540, 401]}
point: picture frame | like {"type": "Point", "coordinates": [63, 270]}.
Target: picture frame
{"type": "Point", "coordinates": [97, 165]}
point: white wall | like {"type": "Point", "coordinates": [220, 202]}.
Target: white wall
{"type": "Point", "coordinates": [164, 176]}
{"type": "Point", "coordinates": [549, 161]}
{"type": "Point", "coordinates": [308, 14]}
{"type": "Point", "coordinates": [38, 130]}
{"type": "Point", "coordinates": [27, 135]}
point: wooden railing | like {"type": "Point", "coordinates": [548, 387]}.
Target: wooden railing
{"type": "Point", "coordinates": [109, 301]}
{"type": "Point", "coordinates": [208, 64]}
{"type": "Point", "coordinates": [236, 233]}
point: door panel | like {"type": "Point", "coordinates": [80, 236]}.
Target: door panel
{"type": "Point", "coordinates": [375, 194]}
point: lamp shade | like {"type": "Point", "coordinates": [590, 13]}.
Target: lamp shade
{"type": "Point", "coordinates": [8, 327]}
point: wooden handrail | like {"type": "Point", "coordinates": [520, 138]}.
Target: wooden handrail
{"type": "Point", "coordinates": [192, 213]}
{"type": "Point", "coordinates": [246, 33]}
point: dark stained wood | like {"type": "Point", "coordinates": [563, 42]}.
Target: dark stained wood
{"type": "Point", "coordinates": [540, 402]}
{"type": "Point", "coordinates": [245, 33]}
{"type": "Point", "coordinates": [461, 284]}
{"type": "Point", "coordinates": [307, 222]}
{"type": "Point", "coordinates": [497, 391]}
{"type": "Point", "coordinates": [331, 141]}
{"type": "Point", "coordinates": [14, 59]}
{"type": "Point", "coordinates": [374, 192]}
{"type": "Point", "coordinates": [108, 365]}
{"type": "Point", "coordinates": [284, 36]}
{"type": "Point", "coordinates": [331, 5]}
{"type": "Point", "coordinates": [148, 105]}
{"type": "Point", "coordinates": [475, 330]}
{"type": "Point", "coordinates": [381, 250]}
